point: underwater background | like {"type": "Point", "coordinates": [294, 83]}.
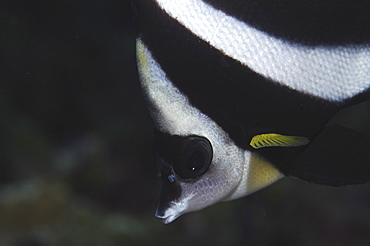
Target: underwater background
{"type": "Point", "coordinates": [76, 147]}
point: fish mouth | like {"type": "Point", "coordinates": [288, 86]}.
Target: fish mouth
{"type": "Point", "coordinates": [168, 212]}
{"type": "Point", "coordinates": [168, 219]}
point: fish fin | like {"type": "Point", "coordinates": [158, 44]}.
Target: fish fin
{"type": "Point", "coordinates": [338, 156]}
{"type": "Point", "coordinates": [277, 140]}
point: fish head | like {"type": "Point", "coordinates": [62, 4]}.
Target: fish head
{"type": "Point", "coordinates": [196, 171]}
{"type": "Point", "coordinates": [199, 163]}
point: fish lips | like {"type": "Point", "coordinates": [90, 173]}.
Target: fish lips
{"type": "Point", "coordinates": [169, 211]}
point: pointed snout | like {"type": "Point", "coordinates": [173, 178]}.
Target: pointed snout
{"type": "Point", "coordinates": [169, 211]}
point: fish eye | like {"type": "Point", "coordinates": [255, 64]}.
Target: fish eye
{"type": "Point", "coordinates": [195, 157]}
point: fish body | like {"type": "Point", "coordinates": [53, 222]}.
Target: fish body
{"type": "Point", "coordinates": [242, 93]}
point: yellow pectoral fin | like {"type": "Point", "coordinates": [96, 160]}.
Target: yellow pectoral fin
{"type": "Point", "coordinates": [277, 140]}
{"type": "Point", "coordinates": [261, 173]}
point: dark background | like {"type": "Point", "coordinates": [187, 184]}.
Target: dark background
{"type": "Point", "coordinates": [75, 147]}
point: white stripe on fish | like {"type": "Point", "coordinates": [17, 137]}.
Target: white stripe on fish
{"type": "Point", "coordinates": [331, 73]}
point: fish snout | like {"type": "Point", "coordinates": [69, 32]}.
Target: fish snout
{"type": "Point", "coordinates": [169, 211]}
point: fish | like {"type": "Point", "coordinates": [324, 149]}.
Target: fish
{"type": "Point", "coordinates": [243, 93]}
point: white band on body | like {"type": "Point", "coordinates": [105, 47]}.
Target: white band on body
{"type": "Point", "coordinates": [331, 73]}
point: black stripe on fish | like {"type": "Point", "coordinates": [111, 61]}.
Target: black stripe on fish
{"type": "Point", "coordinates": [338, 156]}
{"type": "Point", "coordinates": [307, 22]}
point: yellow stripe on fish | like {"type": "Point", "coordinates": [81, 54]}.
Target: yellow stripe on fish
{"type": "Point", "coordinates": [277, 140]}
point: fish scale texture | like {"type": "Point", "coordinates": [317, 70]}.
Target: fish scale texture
{"type": "Point", "coordinates": [332, 73]}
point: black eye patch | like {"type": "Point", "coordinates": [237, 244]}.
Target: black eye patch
{"type": "Point", "coordinates": [194, 158]}
{"type": "Point", "coordinates": [190, 156]}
